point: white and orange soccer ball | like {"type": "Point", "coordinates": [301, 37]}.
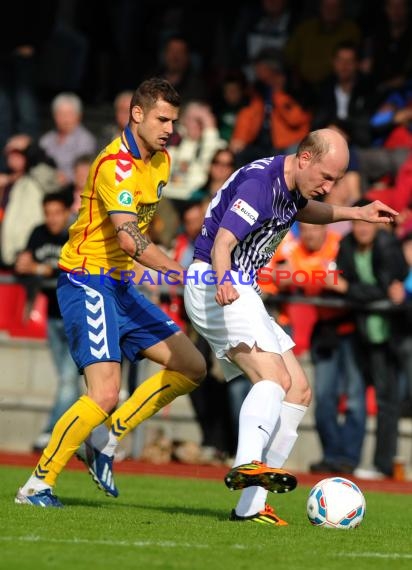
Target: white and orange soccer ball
{"type": "Point", "coordinates": [336, 502]}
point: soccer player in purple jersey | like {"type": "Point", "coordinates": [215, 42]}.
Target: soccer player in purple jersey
{"type": "Point", "coordinates": [242, 228]}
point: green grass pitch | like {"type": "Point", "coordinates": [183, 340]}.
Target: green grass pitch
{"type": "Point", "coordinates": [174, 523]}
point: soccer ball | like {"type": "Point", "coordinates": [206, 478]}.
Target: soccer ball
{"type": "Point", "coordinates": [336, 502]}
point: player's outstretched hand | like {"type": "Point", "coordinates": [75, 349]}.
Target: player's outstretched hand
{"type": "Point", "coordinates": [377, 212]}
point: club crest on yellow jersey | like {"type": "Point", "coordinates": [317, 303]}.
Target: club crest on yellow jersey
{"type": "Point", "coordinates": [160, 187]}
{"type": "Point", "coordinates": [125, 198]}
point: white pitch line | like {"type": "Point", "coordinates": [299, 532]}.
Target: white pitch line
{"type": "Point", "coordinates": [390, 555]}
{"type": "Point", "coordinates": [172, 544]}
{"type": "Point", "coordinates": [134, 543]}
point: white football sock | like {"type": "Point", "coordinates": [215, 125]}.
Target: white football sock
{"type": "Point", "coordinates": [283, 439]}
{"type": "Point", "coordinates": [34, 484]}
{"type": "Point", "coordinates": [99, 437]}
{"type": "Point", "coordinates": [253, 499]}
{"type": "Point", "coordinates": [103, 439]}
{"type": "Point", "coordinates": [257, 419]}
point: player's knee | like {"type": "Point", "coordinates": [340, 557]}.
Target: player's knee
{"type": "Point", "coordinates": [193, 367]}
{"type": "Point", "coordinates": [197, 371]}
{"type": "Point", "coordinates": [301, 395]}
{"type": "Point", "coordinates": [285, 381]}
{"type": "Point", "coordinates": [306, 395]}
{"type": "Point", "coordinates": [304, 391]}
{"type": "Point", "coordinates": [107, 399]}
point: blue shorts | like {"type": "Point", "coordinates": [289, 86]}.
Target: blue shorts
{"type": "Point", "coordinates": [104, 320]}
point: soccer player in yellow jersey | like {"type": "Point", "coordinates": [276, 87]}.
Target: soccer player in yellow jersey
{"type": "Point", "coordinates": [104, 315]}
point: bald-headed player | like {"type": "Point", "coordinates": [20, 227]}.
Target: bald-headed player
{"type": "Point", "coordinates": [243, 226]}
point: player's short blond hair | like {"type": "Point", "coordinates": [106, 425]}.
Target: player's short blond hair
{"type": "Point", "coordinates": [314, 143]}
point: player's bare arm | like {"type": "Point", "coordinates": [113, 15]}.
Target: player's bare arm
{"type": "Point", "coordinates": [141, 249]}
{"type": "Point", "coordinates": [223, 246]}
{"type": "Point", "coordinates": [140, 242]}
{"type": "Point", "coordinates": [321, 213]}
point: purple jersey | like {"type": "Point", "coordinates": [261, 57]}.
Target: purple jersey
{"type": "Point", "coordinates": [257, 207]}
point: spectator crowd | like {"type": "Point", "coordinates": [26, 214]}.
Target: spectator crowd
{"type": "Point", "coordinates": [255, 77]}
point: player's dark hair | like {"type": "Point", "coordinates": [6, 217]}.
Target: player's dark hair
{"type": "Point", "coordinates": [151, 90]}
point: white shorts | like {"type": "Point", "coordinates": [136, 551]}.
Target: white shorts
{"type": "Point", "coordinates": [244, 321]}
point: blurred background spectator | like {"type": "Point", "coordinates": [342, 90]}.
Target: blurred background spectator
{"type": "Point", "coordinates": [74, 189]}
{"type": "Point", "coordinates": [273, 121]}
{"type": "Point", "coordinates": [373, 268]}
{"type": "Point", "coordinates": [337, 370]}
{"type": "Point", "coordinates": [121, 113]}
{"type": "Point", "coordinates": [390, 127]}
{"type": "Point", "coordinates": [345, 96]}
{"type": "Point", "coordinates": [270, 71]}
{"type": "Point", "coordinates": [37, 261]}
{"type": "Point", "coordinates": [221, 167]}
{"type": "Point", "coordinates": [314, 249]}
{"type": "Point", "coordinates": [32, 176]}
{"type": "Point", "coordinates": [183, 69]}
{"type": "Point", "coordinates": [21, 44]}
{"type": "Point", "coordinates": [403, 334]}
{"type": "Point", "coordinates": [191, 157]}
{"type": "Point", "coordinates": [211, 401]}
{"type": "Point", "coordinates": [232, 95]}
{"type": "Point", "coordinates": [311, 45]}
{"type": "Point", "coordinates": [388, 49]}
{"type": "Point", "coordinates": [261, 25]}
{"type": "Point", "coordinates": [69, 138]}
